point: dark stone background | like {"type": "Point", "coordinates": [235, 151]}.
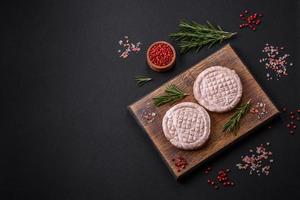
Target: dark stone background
{"type": "Point", "coordinates": [66, 132]}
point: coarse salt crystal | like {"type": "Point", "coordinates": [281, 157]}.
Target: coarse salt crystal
{"type": "Point", "coordinates": [128, 47]}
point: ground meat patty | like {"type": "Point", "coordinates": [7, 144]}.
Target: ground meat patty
{"type": "Point", "coordinates": [218, 89]}
{"type": "Point", "coordinates": [186, 125]}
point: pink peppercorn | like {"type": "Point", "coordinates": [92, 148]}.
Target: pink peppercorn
{"type": "Point", "coordinates": [251, 21]}
{"type": "Point", "coordinates": [161, 54]}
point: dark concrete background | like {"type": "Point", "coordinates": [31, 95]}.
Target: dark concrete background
{"type": "Point", "coordinates": [66, 132]}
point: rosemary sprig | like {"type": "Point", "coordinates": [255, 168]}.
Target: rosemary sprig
{"type": "Point", "coordinates": [172, 95]}
{"type": "Point", "coordinates": [234, 122]}
{"type": "Point", "coordinates": [141, 80]}
{"type": "Point", "coordinates": [192, 35]}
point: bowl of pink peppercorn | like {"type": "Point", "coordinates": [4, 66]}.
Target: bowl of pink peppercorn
{"type": "Point", "coordinates": [161, 56]}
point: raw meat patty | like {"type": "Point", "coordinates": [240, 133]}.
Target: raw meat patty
{"type": "Point", "coordinates": [186, 125]}
{"type": "Point", "coordinates": [218, 89]}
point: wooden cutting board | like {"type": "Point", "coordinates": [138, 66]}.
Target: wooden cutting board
{"type": "Point", "coordinates": [218, 139]}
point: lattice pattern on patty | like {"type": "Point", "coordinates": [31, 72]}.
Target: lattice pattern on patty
{"type": "Point", "coordinates": [186, 125]}
{"type": "Point", "coordinates": [218, 89]}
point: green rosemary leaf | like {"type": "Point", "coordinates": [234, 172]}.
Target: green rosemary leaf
{"type": "Point", "coordinates": [172, 94]}
{"type": "Point", "coordinates": [210, 25]}
{"type": "Point", "coordinates": [220, 28]}
{"type": "Point", "coordinates": [211, 44]}
{"type": "Point", "coordinates": [141, 79]}
{"type": "Point", "coordinates": [234, 122]}
{"type": "Point", "coordinates": [192, 35]}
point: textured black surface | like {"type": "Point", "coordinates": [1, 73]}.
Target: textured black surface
{"type": "Point", "coordinates": [66, 132]}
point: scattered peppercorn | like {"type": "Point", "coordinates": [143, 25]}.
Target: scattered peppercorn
{"type": "Point", "coordinates": [293, 118]}
{"type": "Point", "coordinates": [221, 179]}
{"type": "Point", "coordinates": [250, 21]}
{"type": "Point", "coordinates": [207, 170]}
{"type": "Point", "coordinates": [180, 163]}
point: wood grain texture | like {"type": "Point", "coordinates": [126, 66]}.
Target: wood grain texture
{"type": "Point", "coordinates": [218, 140]}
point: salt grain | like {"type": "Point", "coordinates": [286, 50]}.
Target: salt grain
{"type": "Point", "coordinates": [257, 162]}
{"type": "Point", "coordinates": [276, 62]}
{"type": "Point", "coordinates": [259, 109]}
{"type": "Point", "coordinates": [147, 114]}
{"type": "Point", "coordinates": [128, 47]}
